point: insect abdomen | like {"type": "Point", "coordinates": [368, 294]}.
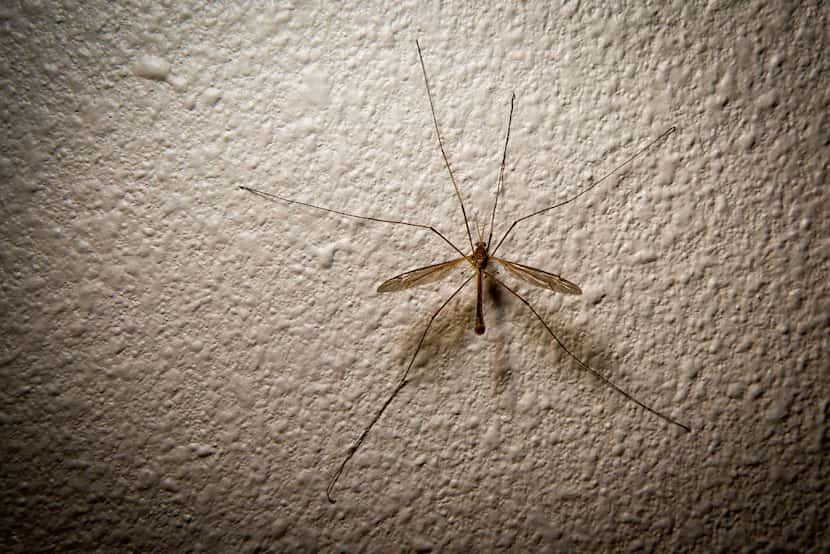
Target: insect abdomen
{"type": "Point", "coordinates": [479, 325]}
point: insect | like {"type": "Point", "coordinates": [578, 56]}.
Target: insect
{"type": "Point", "coordinates": [481, 259]}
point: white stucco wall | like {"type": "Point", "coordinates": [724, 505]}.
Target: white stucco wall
{"type": "Point", "coordinates": [183, 366]}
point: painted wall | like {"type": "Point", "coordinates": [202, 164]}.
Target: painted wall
{"type": "Point", "coordinates": [184, 365]}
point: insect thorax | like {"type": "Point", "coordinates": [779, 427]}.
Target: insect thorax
{"type": "Point", "coordinates": [480, 257]}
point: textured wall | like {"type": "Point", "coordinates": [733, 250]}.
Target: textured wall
{"type": "Point", "coordinates": [183, 365]}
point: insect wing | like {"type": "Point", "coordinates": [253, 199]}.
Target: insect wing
{"type": "Point", "coordinates": [539, 278]}
{"type": "Point", "coordinates": [420, 276]}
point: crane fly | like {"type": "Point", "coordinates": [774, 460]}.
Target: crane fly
{"type": "Point", "coordinates": [481, 259]}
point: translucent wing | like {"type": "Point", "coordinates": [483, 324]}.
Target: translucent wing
{"type": "Point", "coordinates": [420, 276]}
{"type": "Point", "coordinates": [539, 278]}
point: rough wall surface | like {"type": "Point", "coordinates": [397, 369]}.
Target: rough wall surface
{"type": "Point", "coordinates": [183, 365]}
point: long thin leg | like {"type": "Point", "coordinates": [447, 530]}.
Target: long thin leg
{"type": "Point", "coordinates": [636, 155]}
{"type": "Point", "coordinates": [441, 145]}
{"type": "Point", "coordinates": [401, 384]}
{"type": "Point", "coordinates": [501, 172]}
{"type": "Point", "coordinates": [582, 364]}
{"type": "Point", "coordinates": [276, 198]}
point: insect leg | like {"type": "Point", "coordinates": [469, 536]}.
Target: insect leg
{"type": "Point", "coordinates": [585, 366]}
{"type": "Point", "coordinates": [441, 145]}
{"type": "Point", "coordinates": [501, 172]}
{"type": "Point", "coordinates": [271, 197]}
{"type": "Point", "coordinates": [401, 384]}
{"type": "Point", "coordinates": [630, 159]}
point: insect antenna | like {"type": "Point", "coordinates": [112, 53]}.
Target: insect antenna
{"type": "Point", "coordinates": [630, 159]}
{"type": "Point", "coordinates": [479, 231]}
{"type": "Point", "coordinates": [277, 199]}
{"type": "Point", "coordinates": [401, 384]}
{"type": "Point", "coordinates": [582, 364]}
{"type": "Point", "coordinates": [501, 172]}
{"type": "Point", "coordinates": [441, 146]}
